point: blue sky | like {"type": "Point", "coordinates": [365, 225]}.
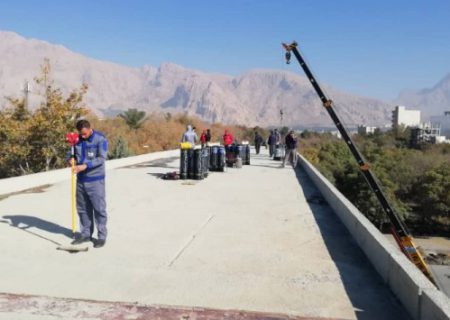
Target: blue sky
{"type": "Point", "coordinates": [371, 48]}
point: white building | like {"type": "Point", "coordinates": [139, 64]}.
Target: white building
{"type": "Point", "coordinates": [427, 133]}
{"type": "Point", "coordinates": [363, 130]}
{"type": "Point", "coordinates": [444, 121]}
{"type": "Point", "coordinates": [402, 116]}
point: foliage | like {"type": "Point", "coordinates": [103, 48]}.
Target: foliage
{"type": "Point", "coordinates": [284, 131]}
{"type": "Point", "coordinates": [416, 182]}
{"type": "Point", "coordinates": [120, 149]}
{"type": "Point", "coordinates": [35, 141]}
{"type": "Point", "coordinates": [134, 118]}
{"type": "Point", "coordinates": [432, 194]}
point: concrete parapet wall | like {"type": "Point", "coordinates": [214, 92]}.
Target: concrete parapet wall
{"type": "Point", "coordinates": [417, 294]}
{"type": "Point", "coordinates": [17, 184]}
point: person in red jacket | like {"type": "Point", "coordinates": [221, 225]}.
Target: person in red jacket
{"type": "Point", "coordinates": [227, 138]}
{"type": "Point", "coordinates": [203, 138]}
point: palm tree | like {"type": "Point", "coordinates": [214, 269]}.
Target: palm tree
{"type": "Point", "coordinates": [133, 118]}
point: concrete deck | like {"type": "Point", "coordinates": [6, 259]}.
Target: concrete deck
{"type": "Point", "coordinates": [257, 239]}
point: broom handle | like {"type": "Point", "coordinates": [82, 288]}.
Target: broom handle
{"type": "Point", "coordinates": [73, 191]}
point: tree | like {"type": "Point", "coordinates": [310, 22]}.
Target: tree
{"type": "Point", "coordinates": [306, 134]}
{"type": "Point", "coordinates": [133, 118]}
{"type": "Point", "coordinates": [35, 141]}
{"type": "Point", "coordinates": [284, 131]}
{"type": "Point", "coordinates": [54, 118]}
{"type": "Point", "coordinates": [120, 149]}
{"type": "Point", "coordinates": [14, 134]}
{"type": "Point", "coordinates": [432, 192]}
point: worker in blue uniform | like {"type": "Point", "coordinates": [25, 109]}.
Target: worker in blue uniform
{"type": "Point", "coordinates": [90, 155]}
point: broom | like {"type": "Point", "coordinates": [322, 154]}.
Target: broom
{"type": "Point", "coordinates": [72, 139]}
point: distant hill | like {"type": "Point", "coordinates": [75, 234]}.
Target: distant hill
{"type": "Point", "coordinates": [253, 98]}
{"type": "Point", "coordinates": [432, 102]}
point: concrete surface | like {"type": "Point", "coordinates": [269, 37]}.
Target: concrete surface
{"type": "Point", "coordinates": [404, 279]}
{"type": "Point", "coordinates": [442, 277]}
{"type": "Point", "coordinates": [434, 305]}
{"type": "Point", "coordinates": [260, 239]}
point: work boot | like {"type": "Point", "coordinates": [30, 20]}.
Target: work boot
{"type": "Point", "coordinates": [99, 243]}
{"type": "Point", "coordinates": [81, 240]}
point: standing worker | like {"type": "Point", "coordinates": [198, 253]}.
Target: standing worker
{"type": "Point", "coordinates": [271, 142]}
{"type": "Point", "coordinates": [227, 138]}
{"type": "Point", "coordinates": [90, 155]}
{"type": "Point", "coordinates": [277, 136]}
{"type": "Point", "coordinates": [291, 149]}
{"type": "Point", "coordinates": [258, 141]}
{"type": "Point", "coordinates": [203, 138]}
{"type": "Point", "coordinates": [189, 136]}
{"type": "Point", "coordinates": [208, 135]}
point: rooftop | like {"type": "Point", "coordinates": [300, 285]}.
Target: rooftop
{"type": "Point", "coordinates": [260, 239]}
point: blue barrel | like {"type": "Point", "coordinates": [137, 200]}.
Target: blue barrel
{"type": "Point", "coordinates": [214, 159]}
{"type": "Point", "coordinates": [247, 155]}
{"type": "Point", "coordinates": [221, 159]}
{"type": "Point", "coordinates": [240, 152]}
{"type": "Point", "coordinates": [205, 162]}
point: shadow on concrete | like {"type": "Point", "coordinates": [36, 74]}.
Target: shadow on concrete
{"type": "Point", "coordinates": [25, 222]}
{"type": "Point", "coordinates": [370, 297]}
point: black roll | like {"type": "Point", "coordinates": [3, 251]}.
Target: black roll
{"type": "Point", "coordinates": [190, 163]}
{"type": "Point", "coordinates": [184, 164]}
{"type": "Point", "coordinates": [221, 159]}
{"type": "Point", "coordinates": [198, 173]}
{"type": "Point", "coordinates": [247, 154]}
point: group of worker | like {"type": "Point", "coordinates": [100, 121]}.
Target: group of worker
{"type": "Point", "coordinates": [90, 154]}
{"type": "Point", "coordinates": [191, 137]}
{"type": "Point", "coordinates": [274, 141]}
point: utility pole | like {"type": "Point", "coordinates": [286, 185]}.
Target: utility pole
{"type": "Point", "coordinates": [26, 92]}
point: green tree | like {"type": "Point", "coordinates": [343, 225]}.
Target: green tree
{"type": "Point", "coordinates": [134, 118]}
{"type": "Point", "coordinates": [35, 141]}
{"type": "Point", "coordinates": [168, 116]}
{"type": "Point", "coordinates": [284, 131]}
{"type": "Point", "coordinates": [432, 192]}
{"type": "Point", "coordinates": [120, 149]}
{"type": "Point", "coordinates": [52, 120]}
{"type": "Point", "coordinates": [306, 134]}
{"type": "Point", "coordinates": [14, 134]}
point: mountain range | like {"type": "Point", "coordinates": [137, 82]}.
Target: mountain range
{"type": "Point", "coordinates": [432, 102]}
{"type": "Point", "coordinates": [253, 98]}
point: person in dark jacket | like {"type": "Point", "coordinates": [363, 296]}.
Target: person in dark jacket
{"type": "Point", "coordinates": [291, 149]}
{"type": "Point", "coordinates": [277, 136]}
{"type": "Point", "coordinates": [90, 155]}
{"type": "Point", "coordinates": [208, 135]}
{"type": "Point", "coordinates": [258, 141]}
{"type": "Point", "coordinates": [271, 141]}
